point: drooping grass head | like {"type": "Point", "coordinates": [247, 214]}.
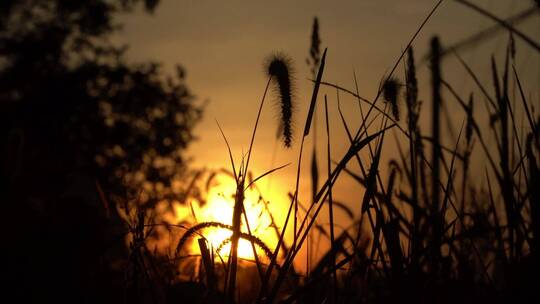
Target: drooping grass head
{"type": "Point", "coordinates": [278, 67]}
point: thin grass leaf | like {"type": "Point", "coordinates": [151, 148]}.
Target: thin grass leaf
{"type": "Point", "coordinates": [208, 264]}
{"type": "Point", "coordinates": [314, 95]}
{"type": "Point", "coordinates": [502, 22]}
{"type": "Point", "coordinates": [230, 152]}
{"type": "Point", "coordinates": [265, 174]}
{"type": "Point", "coordinates": [333, 295]}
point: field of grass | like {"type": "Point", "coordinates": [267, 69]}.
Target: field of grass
{"type": "Point", "coordinates": [424, 232]}
{"type": "Point", "coordinates": [433, 226]}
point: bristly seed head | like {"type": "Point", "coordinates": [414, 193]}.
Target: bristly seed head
{"type": "Point", "coordinates": [391, 90]}
{"type": "Point", "coordinates": [411, 90]}
{"type": "Point", "coordinates": [315, 51]}
{"type": "Point", "coordinates": [279, 69]}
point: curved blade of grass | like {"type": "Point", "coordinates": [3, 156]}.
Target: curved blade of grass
{"type": "Point", "coordinates": [265, 174]}
{"type": "Point", "coordinates": [333, 295]}
{"type": "Point", "coordinates": [408, 46]}
{"type": "Point", "coordinates": [502, 22]}
{"type": "Point", "coordinates": [487, 33]}
{"type": "Point", "coordinates": [256, 125]}
{"type": "Point", "coordinates": [230, 152]}
{"type": "Point", "coordinates": [524, 100]}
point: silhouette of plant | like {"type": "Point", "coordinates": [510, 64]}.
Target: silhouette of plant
{"type": "Point", "coordinates": [68, 92]}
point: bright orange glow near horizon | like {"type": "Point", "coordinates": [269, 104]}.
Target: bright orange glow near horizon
{"type": "Point", "coordinates": [219, 208]}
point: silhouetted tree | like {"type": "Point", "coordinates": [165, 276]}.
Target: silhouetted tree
{"type": "Point", "coordinates": [71, 101]}
{"type": "Point", "coordinates": [77, 119]}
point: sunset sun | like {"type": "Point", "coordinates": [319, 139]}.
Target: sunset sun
{"type": "Point", "coordinates": [219, 208]}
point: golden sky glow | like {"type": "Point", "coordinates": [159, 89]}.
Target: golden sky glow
{"type": "Point", "coordinates": [223, 44]}
{"type": "Point", "coordinates": [219, 208]}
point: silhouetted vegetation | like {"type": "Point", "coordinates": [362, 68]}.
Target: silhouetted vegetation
{"type": "Point", "coordinates": [422, 232]}
{"type": "Point", "coordinates": [81, 128]}
{"type": "Point", "coordinates": [68, 93]}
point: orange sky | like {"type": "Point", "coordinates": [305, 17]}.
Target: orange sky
{"type": "Point", "coordinates": [223, 44]}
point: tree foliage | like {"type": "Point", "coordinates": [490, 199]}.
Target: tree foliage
{"type": "Point", "coordinates": [72, 104]}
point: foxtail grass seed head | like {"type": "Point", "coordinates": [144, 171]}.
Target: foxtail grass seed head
{"type": "Point", "coordinates": [315, 51]}
{"type": "Point", "coordinates": [390, 92]}
{"type": "Point", "coordinates": [279, 69]}
{"type": "Point", "coordinates": [411, 90]}
{"type": "Point", "coordinates": [412, 83]}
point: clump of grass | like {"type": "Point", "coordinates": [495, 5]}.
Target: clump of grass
{"type": "Point", "coordinates": [457, 245]}
{"type": "Point", "coordinates": [279, 69]}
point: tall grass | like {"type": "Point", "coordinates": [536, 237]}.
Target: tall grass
{"type": "Point", "coordinates": [423, 232]}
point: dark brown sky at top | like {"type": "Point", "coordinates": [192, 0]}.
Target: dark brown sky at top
{"type": "Point", "coordinates": [223, 45]}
